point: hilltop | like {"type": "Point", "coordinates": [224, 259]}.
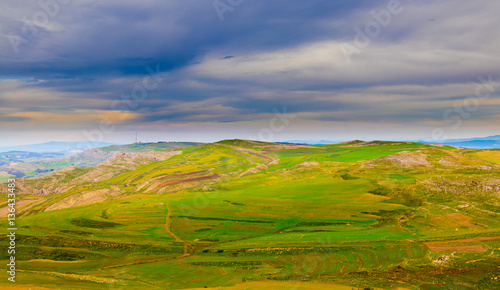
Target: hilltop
{"type": "Point", "coordinates": [491, 142]}
{"type": "Point", "coordinates": [359, 214]}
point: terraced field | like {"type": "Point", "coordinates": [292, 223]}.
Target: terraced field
{"type": "Point", "coordinates": [251, 215]}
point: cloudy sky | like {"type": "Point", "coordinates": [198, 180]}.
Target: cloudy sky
{"type": "Point", "coordinates": [276, 70]}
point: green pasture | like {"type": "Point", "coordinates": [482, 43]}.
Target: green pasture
{"type": "Point", "coordinates": [268, 213]}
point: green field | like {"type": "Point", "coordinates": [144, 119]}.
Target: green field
{"type": "Point", "coordinates": [254, 215]}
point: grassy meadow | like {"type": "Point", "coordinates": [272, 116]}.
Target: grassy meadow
{"type": "Point", "coordinates": [252, 215]}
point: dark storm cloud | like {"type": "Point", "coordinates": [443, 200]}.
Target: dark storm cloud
{"type": "Point", "coordinates": [263, 55]}
{"type": "Point", "coordinates": [122, 37]}
{"type": "Point", "coordinates": [292, 105]}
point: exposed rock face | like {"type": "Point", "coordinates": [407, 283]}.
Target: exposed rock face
{"type": "Point", "coordinates": [408, 159]}
{"type": "Point", "coordinates": [310, 164]}
{"type": "Point", "coordinates": [64, 180]}
{"type": "Point", "coordinates": [442, 259]}
{"type": "Point", "coordinates": [402, 159]}
{"type": "Point", "coordinates": [86, 197]}
{"type": "Point", "coordinates": [463, 186]}
{"type": "Point", "coordinates": [41, 192]}
{"type": "Point", "coordinates": [448, 163]}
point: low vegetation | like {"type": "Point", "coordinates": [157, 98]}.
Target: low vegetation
{"type": "Point", "coordinates": [245, 214]}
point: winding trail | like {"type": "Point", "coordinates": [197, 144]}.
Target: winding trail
{"type": "Point", "coordinates": [168, 225]}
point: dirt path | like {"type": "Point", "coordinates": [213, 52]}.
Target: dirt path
{"type": "Point", "coordinates": [168, 225]}
{"type": "Point", "coordinates": [138, 263]}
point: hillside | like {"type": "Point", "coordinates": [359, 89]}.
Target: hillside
{"type": "Point", "coordinates": [247, 214]}
{"type": "Point", "coordinates": [22, 164]}
{"type": "Point", "coordinates": [59, 147]}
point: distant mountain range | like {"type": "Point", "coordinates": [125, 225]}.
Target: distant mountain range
{"type": "Point", "coordinates": [477, 143]}
{"type": "Point", "coordinates": [68, 148]}
{"type": "Point", "coordinates": [473, 143]}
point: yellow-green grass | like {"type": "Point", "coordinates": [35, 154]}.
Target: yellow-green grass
{"type": "Point", "coordinates": [492, 156]}
{"type": "Point", "coordinates": [328, 221]}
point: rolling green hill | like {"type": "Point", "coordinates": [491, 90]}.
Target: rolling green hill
{"type": "Point", "coordinates": [255, 215]}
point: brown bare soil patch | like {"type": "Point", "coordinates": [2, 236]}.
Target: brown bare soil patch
{"type": "Point", "coordinates": [259, 155]}
{"type": "Point", "coordinates": [469, 248]}
{"type": "Point", "coordinates": [405, 159]}
{"type": "Point", "coordinates": [454, 220]}
{"type": "Point", "coordinates": [86, 197]}
{"type": "Point", "coordinates": [458, 245]}
{"type": "Point", "coordinates": [4, 211]}
{"type": "Point", "coordinates": [189, 180]}
{"type": "Point", "coordinates": [182, 174]}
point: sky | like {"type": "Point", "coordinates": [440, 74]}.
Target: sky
{"type": "Point", "coordinates": [205, 70]}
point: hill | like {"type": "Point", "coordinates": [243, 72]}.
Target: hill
{"type": "Point", "coordinates": [242, 214]}
{"type": "Point", "coordinates": [31, 164]}
{"type": "Point", "coordinates": [491, 142]}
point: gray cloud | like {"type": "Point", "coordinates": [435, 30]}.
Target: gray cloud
{"type": "Point", "coordinates": [264, 55]}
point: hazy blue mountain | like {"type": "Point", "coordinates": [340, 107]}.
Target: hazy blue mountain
{"type": "Point", "coordinates": [477, 143]}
